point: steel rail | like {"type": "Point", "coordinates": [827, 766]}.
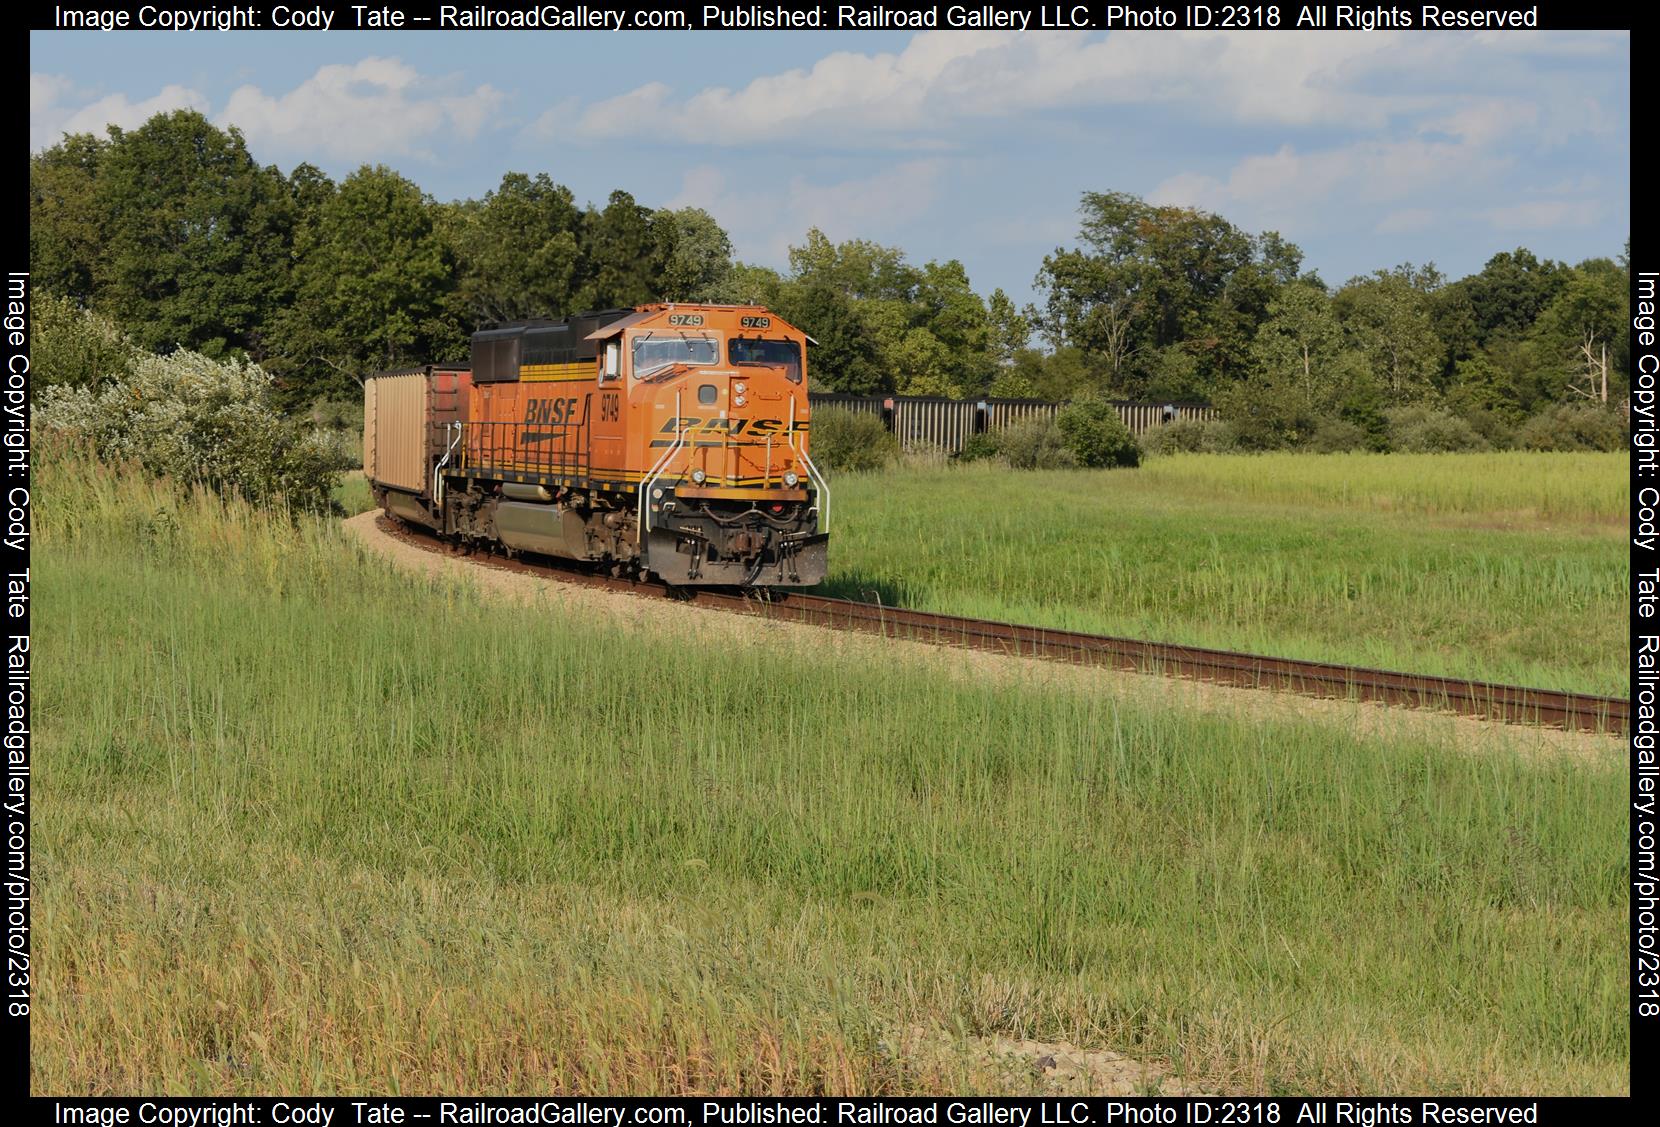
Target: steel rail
{"type": "Point", "coordinates": [1512, 704]}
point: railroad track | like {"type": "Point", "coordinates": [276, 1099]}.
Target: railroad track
{"type": "Point", "coordinates": [1507, 703]}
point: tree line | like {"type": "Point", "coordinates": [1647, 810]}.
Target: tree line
{"type": "Point", "coordinates": [177, 235]}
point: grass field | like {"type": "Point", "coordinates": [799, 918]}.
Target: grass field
{"type": "Point", "coordinates": [1508, 567]}
{"type": "Point", "coordinates": [317, 826]}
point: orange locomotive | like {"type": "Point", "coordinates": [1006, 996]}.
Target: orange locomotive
{"type": "Point", "coordinates": [669, 438]}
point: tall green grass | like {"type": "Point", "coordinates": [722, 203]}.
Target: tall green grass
{"type": "Point", "coordinates": [317, 826]}
{"type": "Point", "coordinates": [1504, 567]}
{"type": "Point", "coordinates": [1517, 487]}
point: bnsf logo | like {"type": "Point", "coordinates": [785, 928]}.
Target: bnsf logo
{"type": "Point", "coordinates": [696, 426]}
{"type": "Point", "coordinates": [550, 412]}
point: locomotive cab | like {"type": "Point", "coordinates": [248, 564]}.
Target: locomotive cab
{"type": "Point", "coordinates": [717, 413]}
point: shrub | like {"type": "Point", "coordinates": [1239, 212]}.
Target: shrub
{"type": "Point", "coordinates": [1337, 436]}
{"type": "Point", "coordinates": [1430, 430]}
{"type": "Point", "coordinates": [1190, 436]}
{"type": "Point", "coordinates": [1096, 435]}
{"type": "Point", "coordinates": [1266, 417]}
{"type": "Point", "coordinates": [193, 419]}
{"type": "Point", "coordinates": [979, 447]}
{"type": "Point", "coordinates": [72, 347]}
{"type": "Point", "coordinates": [1491, 425]}
{"type": "Point", "coordinates": [1034, 444]}
{"type": "Point", "coordinates": [1571, 426]}
{"type": "Point", "coordinates": [851, 441]}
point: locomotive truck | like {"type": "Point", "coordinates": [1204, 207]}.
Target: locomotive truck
{"type": "Point", "coordinates": [668, 439]}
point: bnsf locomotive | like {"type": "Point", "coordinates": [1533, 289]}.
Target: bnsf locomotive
{"type": "Point", "coordinates": [669, 439]}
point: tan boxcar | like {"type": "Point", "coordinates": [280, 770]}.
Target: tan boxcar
{"type": "Point", "coordinates": [404, 414]}
{"type": "Point", "coordinates": [395, 420]}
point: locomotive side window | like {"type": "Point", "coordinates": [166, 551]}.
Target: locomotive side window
{"type": "Point", "coordinates": [784, 354]}
{"type": "Point", "coordinates": [653, 354]}
{"type": "Point", "coordinates": [613, 360]}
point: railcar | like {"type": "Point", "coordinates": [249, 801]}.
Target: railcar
{"type": "Point", "coordinates": [668, 439]}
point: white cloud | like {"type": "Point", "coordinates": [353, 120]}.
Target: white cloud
{"type": "Point", "coordinates": [764, 220]}
{"type": "Point", "coordinates": [377, 107]}
{"type": "Point", "coordinates": [1483, 121]}
{"type": "Point", "coordinates": [1544, 215]}
{"type": "Point", "coordinates": [1282, 186]}
{"type": "Point", "coordinates": [50, 117]}
{"type": "Point", "coordinates": [944, 79]}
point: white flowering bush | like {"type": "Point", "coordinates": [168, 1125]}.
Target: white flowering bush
{"type": "Point", "coordinates": [195, 419]}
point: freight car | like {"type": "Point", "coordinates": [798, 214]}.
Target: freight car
{"type": "Point", "coordinates": [668, 439]}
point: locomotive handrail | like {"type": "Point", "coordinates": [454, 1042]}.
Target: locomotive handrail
{"type": "Point", "coordinates": [657, 472]}
{"type": "Point", "coordinates": [438, 470]}
{"type": "Point", "coordinates": [499, 444]}
{"type": "Point", "coordinates": [812, 472]}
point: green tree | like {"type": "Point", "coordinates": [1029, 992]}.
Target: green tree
{"type": "Point", "coordinates": [1149, 278]}
{"type": "Point", "coordinates": [698, 267]}
{"type": "Point", "coordinates": [1010, 384]}
{"type": "Point", "coordinates": [845, 358]}
{"type": "Point", "coordinates": [66, 217]}
{"type": "Point", "coordinates": [627, 253]}
{"type": "Point", "coordinates": [1010, 329]}
{"type": "Point", "coordinates": [750, 285]}
{"type": "Point", "coordinates": [1584, 329]}
{"type": "Point", "coordinates": [922, 365]}
{"type": "Point", "coordinates": [1511, 291]}
{"type": "Point", "coordinates": [1386, 319]}
{"type": "Point", "coordinates": [372, 285]}
{"type": "Point", "coordinates": [198, 237]}
{"type": "Point", "coordinates": [856, 269]}
{"type": "Point", "coordinates": [1478, 385]}
{"type": "Point", "coordinates": [518, 251]}
{"type": "Point", "coordinates": [947, 309]}
{"type": "Point", "coordinates": [1297, 345]}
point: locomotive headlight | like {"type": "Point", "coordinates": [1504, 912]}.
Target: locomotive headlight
{"type": "Point", "coordinates": [697, 477]}
{"type": "Point", "coordinates": [738, 401]}
{"type": "Point", "coordinates": [740, 387]}
{"type": "Point", "coordinates": [790, 478]}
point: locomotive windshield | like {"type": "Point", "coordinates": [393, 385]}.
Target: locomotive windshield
{"type": "Point", "coordinates": [655, 354]}
{"type": "Point", "coordinates": [784, 354]}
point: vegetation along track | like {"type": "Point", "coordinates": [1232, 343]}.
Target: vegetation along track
{"type": "Point", "coordinates": [1507, 703]}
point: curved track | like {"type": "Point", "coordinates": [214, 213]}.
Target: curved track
{"type": "Point", "coordinates": [1507, 703]}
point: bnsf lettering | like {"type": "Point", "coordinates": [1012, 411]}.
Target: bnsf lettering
{"type": "Point", "coordinates": [699, 425]}
{"type": "Point", "coordinates": [549, 412]}
{"type": "Point", "coordinates": [696, 426]}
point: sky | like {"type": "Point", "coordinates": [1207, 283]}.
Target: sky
{"type": "Point", "coordinates": [1365, 149]}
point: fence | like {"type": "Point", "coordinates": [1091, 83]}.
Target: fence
{"type": "Point", "coordinates": [923, 420]}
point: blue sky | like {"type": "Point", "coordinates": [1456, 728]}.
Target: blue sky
{"type": "Point", "coordinates": [1366, 149]}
